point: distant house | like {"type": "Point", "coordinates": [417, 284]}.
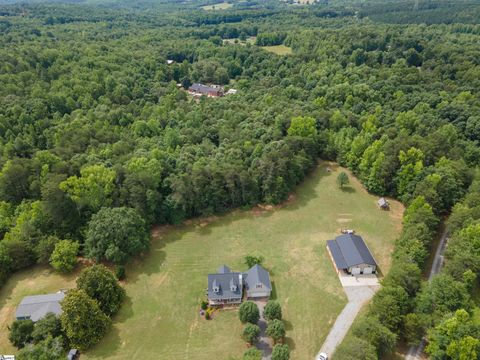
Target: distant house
{"type": "Point", "coordinates": [37, 306]}
{"type": "Point", "coordinates": [205, 90]}
{"type": "Point", "coordinates": [257, 283]}
{"type": "Point", "coordinates": [350, 254]}
{"type": "Point", "coordinates": [227, 287]}
{"type": "Point", "coordinates": [383, 203]}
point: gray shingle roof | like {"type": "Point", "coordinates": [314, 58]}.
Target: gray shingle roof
{"type": "Point", "coordinates": [224, 269]}
{"type": "Point", "coordinates": [37, 306]}
{"type": "Point", "coordinates": [224, 282]}
{"type": "Point", "coordinates": [257, 274]}
{"type": "Point", "coordinates": [349, 250]}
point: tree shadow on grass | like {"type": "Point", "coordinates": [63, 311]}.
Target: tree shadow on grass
{"type": "Point", "coordinates": [348, 189]}
{"type": "Point", "coordinates": [126, 311]}
{"type": "Point", "coordinates": [288, 325]}
{"type": "Point", "coordinates": [273, 294]}
{"type": "Point", "coordinates": [291, 344]}
{"type": "Point", "coordinates": [108, 346]}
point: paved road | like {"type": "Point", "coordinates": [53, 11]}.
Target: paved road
{"type": "Point", "coordinates": [263, 343]}
{"type": "Point", "coordinates": [415, 352]}
{"type": "Point", "coordinates": [357, 297]}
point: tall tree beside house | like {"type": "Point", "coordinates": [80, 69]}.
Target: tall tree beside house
{"type": "Point", "coordinates": [100, 284]}
{"type": "Point", "coordinates": [116, 235]}
{"type": "Point", "coordinates": [342, 179]}
{"type": "Point", "coordinates": [83, 321]}
{"type": "Point", "coordinates": [21, 332]}
{"type": "Point", "coordinates": [248, 312]}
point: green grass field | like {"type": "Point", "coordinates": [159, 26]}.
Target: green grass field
{"type": "Point", "coordinates": [278, 49]}
{"type": "Point", "coordinates": [220, 6]}
{"type": "Point", "coordinates": [160, 320]}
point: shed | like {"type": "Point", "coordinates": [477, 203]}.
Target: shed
{"type": "Point", "coordinates": [383, 203]}
{"type": "Point", "coordinates": [350, 254]}
{"type": "Point", "coordinates": [37, 306]}
{"type": "Point", "coordinates": [72, 354]}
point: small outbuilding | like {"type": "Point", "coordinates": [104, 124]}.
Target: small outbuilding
{"type": "Point", "coordinates": [383, 204]}
{"type": "Point", "coordinates": [349, 253]}
{"type": "Point", "coordinates": [205, 90]}
{"type": "Point", "coordinates": [37, 306]}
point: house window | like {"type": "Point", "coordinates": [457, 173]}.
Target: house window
{"type": "Point", "coordinates": [259, 286]}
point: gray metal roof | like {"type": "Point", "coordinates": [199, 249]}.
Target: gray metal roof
{"type": "Point", "coordinates": [257, 275]}
{"type": "Point", "coordinates": [350, 250]}
{"type": "Point", "coordinates": [37, 306]}
{"type": "Point", "coordinates": [224, 282]}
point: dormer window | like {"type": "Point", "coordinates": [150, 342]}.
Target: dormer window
{"type": "Point", "coordinates": [215, 287]}
{"type": "Point", "coordinates": [233, 288]}
{"type": "Point", "coordinates": [259, 286]}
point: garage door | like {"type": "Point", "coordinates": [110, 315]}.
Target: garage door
{"type": "Point", "coordinates": [355, 271]}
{"type": "Point", "coordinates": [368, 270]}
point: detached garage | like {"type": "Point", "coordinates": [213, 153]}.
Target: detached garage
{"type": "Point", "coordinates": [350, 254]}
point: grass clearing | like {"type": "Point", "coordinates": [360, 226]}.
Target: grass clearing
{"type": "Point", "coordinates": [160, 320]}
{"type": "Point", "coordinates": [220, 6]}
{"type": "Point", "coordinates": [278, 49]}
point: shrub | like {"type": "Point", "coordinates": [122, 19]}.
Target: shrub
{"type": "Point", "coordinates": [251, 333]}
{"type": "Point", "coordinates": [354, 348]}
{"type": "Point", "coordinates": [342, 179]}
{"type": "Point", "coordinates": [252, 354]}
{"type": "Point", "coordinates": [276, 330]}
{"type": "Point", "coordinates": [204, 305]}
{"type": "Point", "coordinates": [281, 352]}
{"type": "Point", "coordinates": [249, 312]}
{"type": "Point", "coordinates": [251, 260]}
{"type": "Point", "coordinates": [272, 311]}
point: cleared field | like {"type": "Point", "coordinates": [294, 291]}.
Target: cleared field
{"type": "Point", "coordinates": [220, 6]}
{"type": "Point", "coordinates": [278, 49]}
{"type": "Point", "coordinates": [160, 318]}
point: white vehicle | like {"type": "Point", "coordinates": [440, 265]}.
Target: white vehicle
{"type": "Point", "coordinates": [322, 356]}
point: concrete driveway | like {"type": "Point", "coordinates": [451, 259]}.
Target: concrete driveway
{"type": "Point", "coordinates": [359, 291]}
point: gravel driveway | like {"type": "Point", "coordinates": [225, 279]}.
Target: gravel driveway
{"type": "Point", "coordinates": [358, 296]}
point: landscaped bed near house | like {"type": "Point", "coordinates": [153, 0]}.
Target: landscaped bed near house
{"type": "Point", "coordinates": [160, 318]}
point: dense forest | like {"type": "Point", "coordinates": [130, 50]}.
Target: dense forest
{"type": "Point", "coordinates": [99, 141]}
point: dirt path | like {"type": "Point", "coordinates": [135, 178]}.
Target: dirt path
{"type": "Point", "coordinates": [357, 297]}
{"type": "Point", "coordinates": [415, 352]}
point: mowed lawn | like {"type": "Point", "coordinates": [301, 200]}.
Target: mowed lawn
{"type": "Point", "coordinates": [160, 319]}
